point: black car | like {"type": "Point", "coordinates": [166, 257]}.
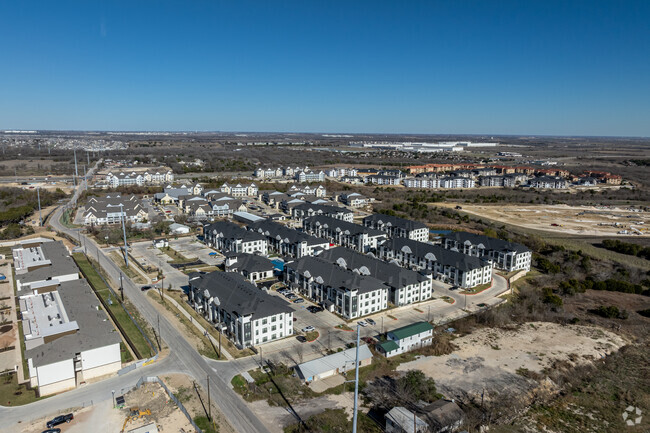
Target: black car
{"type": "Point", "coordinates": [52, 430]}
{"type": "Point", "coordinates": [60, 420]}
{"type": "Point", "coordinates": [145, 288]}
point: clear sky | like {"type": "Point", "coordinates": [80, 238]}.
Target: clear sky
{"type": "Point", "coordinates": [458, 66]}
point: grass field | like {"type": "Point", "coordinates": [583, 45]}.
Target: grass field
{"type": "Point", "coordinates": [14, 394]}
{"type": "Point", "coordinates": [132, 333]}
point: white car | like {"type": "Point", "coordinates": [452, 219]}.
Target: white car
{"type": "Point", "coordinates": [362, 323]}
{"type": "Point", "coordinates": [308, 329]}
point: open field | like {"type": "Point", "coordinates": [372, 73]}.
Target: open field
{"type": "Point", "coordinates": [575, 220]}
{"type": "Point", "coordinates": [496, 361]}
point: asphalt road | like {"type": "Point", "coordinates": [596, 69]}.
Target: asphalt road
{"type": "Point", "coordinates": [183, 358]}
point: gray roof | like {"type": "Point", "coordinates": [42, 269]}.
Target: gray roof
{"type": "Point", "coordinates": [393, 275]}
{"type": "Point", "coordinates": [322, 209]}
{"type": "Point", "coordinates": [332, 275]}
{"type": "Point", "coordinates": [250, 263]}
{"type": "Point", "coordinates": [233, 231]}
{"type": "Point", "coordinates": [489, 243]}
{"type": "Point", "coordinates": [350, 228]}
{"type": "Point", "coordinates": [61, 264]}
{"type": "Point", "coordinates": [435, 253]}
{"type": "Point", "coordinates": [95, 330]}
{"type": "Point", "coordinates": [344, 360]}
{"type": "Point", "coordinates": [275, 230]}
{"type": "Point", "coordinates": [393, 221]}
{"type": "Point", "coordinates": [237, 294]}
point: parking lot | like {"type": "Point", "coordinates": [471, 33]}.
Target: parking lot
{"type": "Point", "coordinates": [191, 247]}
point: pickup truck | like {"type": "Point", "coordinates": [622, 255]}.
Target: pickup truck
{"type": "Point", "coordinates": [60, 420]}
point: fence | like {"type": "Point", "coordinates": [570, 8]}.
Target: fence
{"type": "Point", "coordinates": [156, 379]}
{"type": "Point", "coordinates": [151, 345]}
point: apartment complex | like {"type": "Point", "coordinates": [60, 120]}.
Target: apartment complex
{"type": "Point", "coordinates": [340, 290]}
{"type": "Point", "coordinates": [451, 266]}
{"type": "Point", "coordinates": [343, 233]}
{"type": "Point", "coordinates": [406, 286]}
{"type": "Point", "coordinates": [227, 237]}
{"type": "Point", "coordinates": [286, 241]}
{"type": "Point", "coordinates": [113, 209]}
{"type": "Point", "coordinates": [398, 227]}
{"type": "Point", "coordinates": [505, 255]}
{"type": "Point", "coordinates": [246, 314]}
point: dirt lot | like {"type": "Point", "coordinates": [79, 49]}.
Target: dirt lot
{"type": "Point", "coordinates": [497, 359]}
{"type": "Point", "coordinates": [85, 420]}
{"type": "Point", "coordinates": [580, 220]}
{"type": "Point", "coordinates": [164, 412]}
{"type": "Point", "coordinates": [182, 386]}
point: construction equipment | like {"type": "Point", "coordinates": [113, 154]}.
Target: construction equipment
{"type": "Point", "coordinates": [134, 414]}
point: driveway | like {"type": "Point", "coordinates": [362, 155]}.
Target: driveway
{"type": "Point", "coordinates": [191, 247]}
{"type": "Point", "coordinates": [147, 255]}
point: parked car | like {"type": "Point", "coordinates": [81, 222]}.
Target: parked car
{"type": "Point", "coordinates": [308, 328]}
{"type": "Point", "coordinates": [301, 338]}
{"type": "Point", "coordinates": [372, 322]}
{"type": "Point", "coordinates": [298, 301]}
{"type": "Point", "coordinates": [212, 253]}
{"type": "Point", "coordinates": [60, 420]}
{"type": "Point", "coordinates": [52, 430]}
{"type": "Point", "coordinates": [145, 288]}
{"type": "Point", "coordinates": [362, 323]}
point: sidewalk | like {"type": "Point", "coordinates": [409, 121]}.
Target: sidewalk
{"type": "Point", "coordinates": [198, 326]}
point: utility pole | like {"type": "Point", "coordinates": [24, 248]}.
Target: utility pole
{"type": "Point", "coordinates": [76, 171]}
{"type": "Point", "coordinates": [121, 287]}
{"type": "Point", "coordinates": [126, 250]}
{"type": "Point", "coordinates": [209, 405]}
{"type": "Point", "coordinates": [40, 215]}
{"type": "Point", "coordinates": [356, 383]}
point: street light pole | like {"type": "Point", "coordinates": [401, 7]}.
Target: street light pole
{"type": "Point", "coordinates": [126, 250]}
{"type": "Point", "coordinates": [113, 392]}
{"type": "Point", "coordinates": [356, 383]}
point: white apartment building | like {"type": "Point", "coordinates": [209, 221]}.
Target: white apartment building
{"type": "Point", "coordinates": [398, 227]}
{"type": "Point", "coordinates": [450, 266]}
{"type": "Point", "coordinates": [228, 237]}
{"type": "Point", "coordinates": [247, 315]}
{"type": "Point", "coordinates": [505, 255]}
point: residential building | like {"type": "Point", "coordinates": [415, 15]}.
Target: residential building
{"type": "Point", "coordinates": [406, 338]}
{"type": "Point", "coordinates": [550, 182]}
{"type": "Point", "coordinates": [406, 286]}
{"type": "Point", "coordinates": [178, 229]}
{"type": "Point", "coordinates": [247, 315]}
{"type": "Point", "coordinates": [240, 190]}
{"type": "Point", "coordinates": [113, 209]}
{"type": "Point", "coordinates": [337, 363]}
{"type": "Point", "coordinates": [68, 338]}
{"type": "Point", "coordinates": [423, 182]}
{"type": "Point", "coordinates": [124, 179]}
{"type": "Point", "coordinates": [457, 182]}
{"type": "Point", "coordinates": [318, 191]}
{"type": "Point", "coordinates": [380, 179]}
{"type": "Point", "coordinates": [310, 176]}
{"type": "Point", "coordinates": [306, 210]}
{"type": "Point", "coordinates": [354, 199]}
{"type": "Point", "coordinates": [505, 255]}
{"type": "Point", "coordinates": [41, 267]}
{"type": "Point", "coordinates": [252, 266]}
{"type": "Point", "coordinates": [398, 227]}
{"type": "Point", "coordinates": [226, 237]}
{"type": "Point", "coordinates": [288, 242]}
{"type": "Point", "coordinates": [451, 266]}
{"type": "Point", "coordinates": [343, 233]}
{"type": "Point", "coordinates": [344, 292]}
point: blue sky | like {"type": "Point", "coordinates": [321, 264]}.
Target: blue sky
{"type": "Point", "coordinates": [458, 66]}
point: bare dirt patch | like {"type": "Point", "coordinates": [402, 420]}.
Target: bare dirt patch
{"type": "Point", "coordinates": [577, 220]}
{"type": "Point", "coordinates": [502, 360]}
